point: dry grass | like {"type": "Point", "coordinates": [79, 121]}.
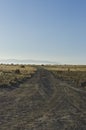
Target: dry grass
{"type": "Point", "coordinates": [44, 102]}
{"type": "Point", "coordinates": [66, 67]}
{"type": "Point", "coordinates": [12, 74]}
{"type": "Point", "coordinates": [73, 74]}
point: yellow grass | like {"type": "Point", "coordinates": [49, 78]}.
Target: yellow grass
{"type": "Point", "coordinates": [8, 73]}
{"type": "Point", "coordinates": [66, 67]}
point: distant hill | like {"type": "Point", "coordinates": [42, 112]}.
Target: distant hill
{"type": "Point", "coordinates": [25, 61]}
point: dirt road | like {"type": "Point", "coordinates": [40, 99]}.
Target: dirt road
{"type": "Point", "coordinates": [43, 103]}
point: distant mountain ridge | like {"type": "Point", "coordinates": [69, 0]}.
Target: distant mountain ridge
{"type": "Point", "coordinates": [25, 61]}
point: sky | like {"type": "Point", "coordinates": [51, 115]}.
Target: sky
{"type": "Point", "coordinates": [53, 30]}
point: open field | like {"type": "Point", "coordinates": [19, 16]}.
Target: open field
{"type": "Point", "coordinates": [72, 74]}
{"type": "Point", "coordinates": [11, 75]}
{"type": "Point", "coordinates": [66, 67]}
{"type": "Point", "coordinates": [51, 99]}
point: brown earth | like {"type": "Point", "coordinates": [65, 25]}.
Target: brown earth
{"type": "Point", "coordinates": [43, 103]}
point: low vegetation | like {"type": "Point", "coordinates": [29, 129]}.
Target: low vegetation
{"type": "Point", "coordinates": [72, 74]}
{"type": "Point", "coordinates": [11, 75]}
{"type": "Point", "coordinates": [43, 97]}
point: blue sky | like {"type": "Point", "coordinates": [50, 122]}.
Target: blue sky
{"type": "Point", "coordinates": [53, 30]}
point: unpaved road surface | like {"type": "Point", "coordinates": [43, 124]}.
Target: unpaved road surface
{"type": "Point", "coordinates": [43, 103]}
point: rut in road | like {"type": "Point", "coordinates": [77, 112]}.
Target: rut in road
{"type": "Point", "coordinates": [43, 103]}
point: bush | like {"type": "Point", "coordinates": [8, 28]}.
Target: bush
{"type": "Point", "coordinates": [22, 66]}
{"type": "Point", "coordinates": [17, 71]}
{"type": "Point", "coordinates": [68, 69]}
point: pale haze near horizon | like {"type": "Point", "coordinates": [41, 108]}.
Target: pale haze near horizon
{"type": "Point", "coordinates": [53, 30]}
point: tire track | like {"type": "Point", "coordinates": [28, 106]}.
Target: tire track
{"type": "Point", "coordinates": [43, 103]}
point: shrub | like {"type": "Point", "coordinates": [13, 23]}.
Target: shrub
{"type": "Point", "coordinates": [22, 66]}
{"type": "Point", "coordinates": [17, 71]}
{"type": "Point", "coordinates": [68, 69]}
